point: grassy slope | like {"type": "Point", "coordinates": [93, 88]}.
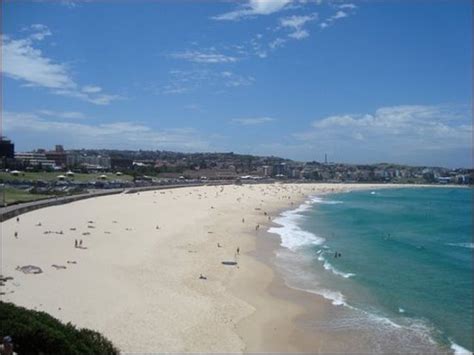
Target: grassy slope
{"type": "Point", "coordinates": [51, 176]}
{"type": "Point", "coordinates": [16, 195]}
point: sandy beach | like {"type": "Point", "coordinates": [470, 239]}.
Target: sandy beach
{"type": "Point", "coordinates": [136, 277]}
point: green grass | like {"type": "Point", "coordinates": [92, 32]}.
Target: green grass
{"type": "Point", "coordinates": [17, 195]}
{"type": "Point", "coordinates": [52, 176]}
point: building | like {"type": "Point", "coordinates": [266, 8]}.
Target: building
{"type": "Point", "coordinates": [121, 163]}
{"type": "Point", "coordinates": [264, 170]}
{"type": "Point", "coordinates": [280, 169]}
{"type": "Point", "coordinates": [7, 148]}
{"type": "Point", "coordinates": [35, 159]}
{"type": "Point", "coordinates": [97, 161]}
{"type": "Point", "coordinates": [58, 155]}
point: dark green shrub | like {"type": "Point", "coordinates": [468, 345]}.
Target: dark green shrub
{"type": "Point", "coordinates": [36, 332]}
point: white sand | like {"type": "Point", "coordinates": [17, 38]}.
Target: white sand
{"type": "Point", "coordinates": [140, 285]}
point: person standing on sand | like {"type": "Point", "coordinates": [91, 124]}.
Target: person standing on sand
{"type": "Point", "coordinates": [75, 243]}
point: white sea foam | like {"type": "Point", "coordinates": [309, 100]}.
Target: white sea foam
{"type": "Point", "coordinates": [295, 270]}
{"type": "Point", "coordinates": [335, 271]}
{"type": "Point", "coordinates": [380, 319]}
{"type": "Point", "coordinates": [459, 350]}
{"type": "Point", "coordinates": [292, 236]}
{"type": "Point", "coordinates": [401, 310]}
{"type": "Point", "coordinates": [463, 245]}
{"type": "Point", "coordinates": [336, 298]}
{"type": "Point", "coordinates": [316, 199]}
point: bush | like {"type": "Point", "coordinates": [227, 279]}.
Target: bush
{"type": "Point", "coordinates": [35, 332]}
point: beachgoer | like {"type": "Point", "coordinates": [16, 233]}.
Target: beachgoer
{"type": "Point", "coordinates": [16, 235]}
{"type": "Point", "coordinates": [80, 243]}
{"type": "Point", "coordinates": [18, 219]}
{"type": "Point", "coordinates": [218, 245]}
{"type": "Point", "coordinates": [238, 250]}
{"type": "Point", "coordinates": [243, 220]}
{"type": "Point", "coordinates": [335, 254]}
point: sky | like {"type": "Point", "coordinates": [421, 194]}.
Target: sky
{"type": "Point", "coordinates": [361, 81]}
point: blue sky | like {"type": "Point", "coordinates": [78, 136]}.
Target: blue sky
{"type": "Point", "coordinates": [363, 81]}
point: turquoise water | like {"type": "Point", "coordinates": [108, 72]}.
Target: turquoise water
{"type": "Point", "coordinates": [406, 256]}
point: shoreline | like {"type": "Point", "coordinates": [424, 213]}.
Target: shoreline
{"type": "Point", "coordinates": [138, 281]}
{"type": "Point", "coordinates": [298, 304]}
{"type": "Point", "coordinates": [315, 306]}
{"type": "Point", "coordinates": [16, 209]}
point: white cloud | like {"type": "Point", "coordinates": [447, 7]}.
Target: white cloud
{"type": "Point", "coordinates": [347, 6]}
{"type": "Point", "coordinates": [67, 3]}
{"type": "Point", "coordinates": [252, 121]}
{"type": "Point", "coordinates": [299, 34]}
{"type": "Point", "coordinates": [296, 23]}
{"type": "Point", "coordinates": [121, 135]}
{"type": "Point", "coordinates": [395, 133]}
{"type": "Point", "coordinates": [277, 43]}
{"type": "Point", "coordinates": [39, 31]}
{"type": "Point", "coordinates": [210, 57]}
{"type": "Point", "coordinates": [184, 81]}
{"type": "Point", "coordinates": [344, 10]}
{"type": "Point", "coordinates": [234, 80]}
{"type": "Point", "coordinates": [62, 114]}
{"type": "Point", "coordinates": [91, 89]}
{"type": "Point", "coordinates": [340, 14]}
{"type": "Point", "coordinates": [254, 8]}
{"type": "Point", "coordinates": [23, 61]}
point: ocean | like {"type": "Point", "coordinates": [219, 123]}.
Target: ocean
{"type": "Point", "coordinates": [397, 263]}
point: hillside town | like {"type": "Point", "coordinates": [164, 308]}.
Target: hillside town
{"type": "Point", "coordinates": [125, 168]}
